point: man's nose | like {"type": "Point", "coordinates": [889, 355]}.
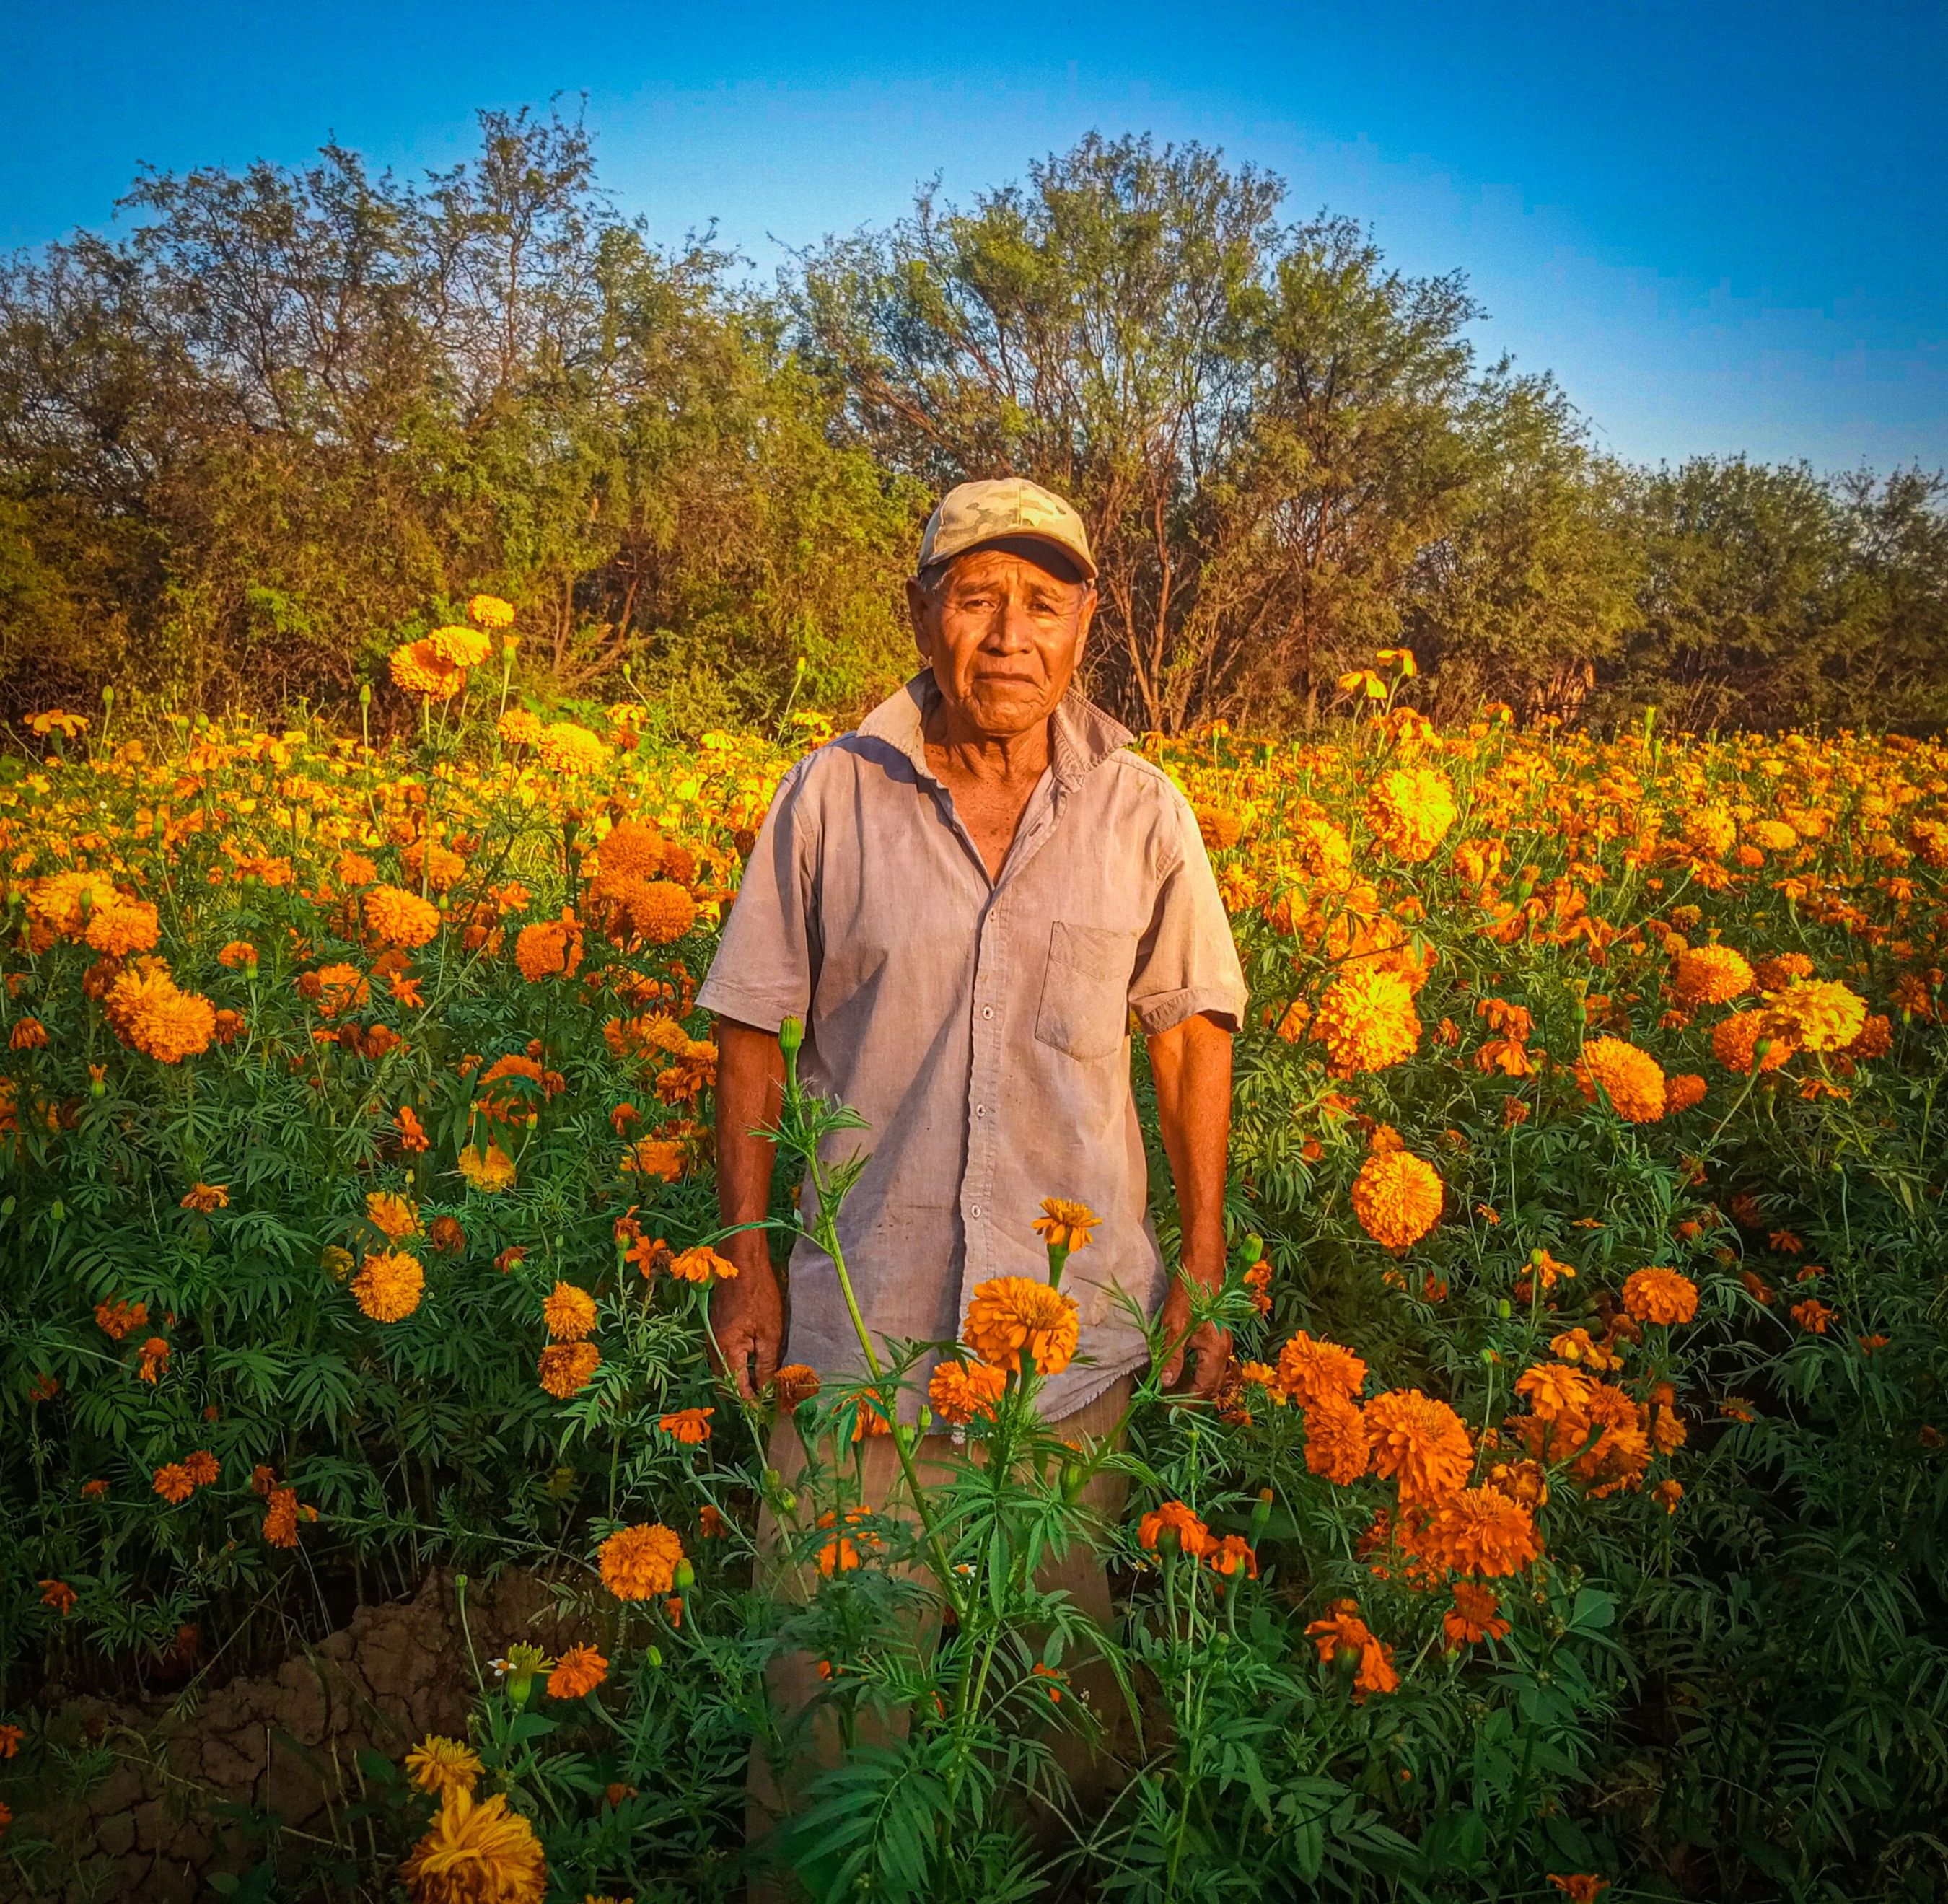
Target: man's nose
{"type": "Point", "coordinates": [1012, 631]}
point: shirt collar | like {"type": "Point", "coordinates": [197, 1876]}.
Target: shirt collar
{"type": "Point", "coordinates": [1082, 735]}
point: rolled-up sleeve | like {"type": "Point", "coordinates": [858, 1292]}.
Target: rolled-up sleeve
{"type": "Point", "coordinates": [1186, 962]}
{"type": "Point", "coordinates": [764, 968]}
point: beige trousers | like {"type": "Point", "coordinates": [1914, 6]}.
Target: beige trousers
{"type": "Point", "coordinates": [792, 1678]}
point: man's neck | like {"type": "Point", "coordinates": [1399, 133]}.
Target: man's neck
{"type": "Point", "coordinates": [959, 752]}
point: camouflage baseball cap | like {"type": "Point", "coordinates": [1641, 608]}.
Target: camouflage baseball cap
{"type": "Point", "coordinates": [1000, 510]}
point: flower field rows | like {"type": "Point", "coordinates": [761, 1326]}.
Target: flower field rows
{"type": "Point", "coordinates": [1575, 1517]}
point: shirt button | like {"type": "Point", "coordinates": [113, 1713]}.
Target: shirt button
{"type": "Point", "coordinates": [987, 1011]}
{"type": "Point", "coordinates": [974, 1210]}
{"type": "Point", "coordinates": [980, 1110]}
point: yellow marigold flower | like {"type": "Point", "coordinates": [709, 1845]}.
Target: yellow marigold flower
{"type": "Point", "coordinates": [519, 728]}
{"type": "Point", "coordinates": [440, 868]}
{"type": "Point", "coordinates": [1735, 1043]}
{"type": "Point", "coordinates": [490, 1171]}
{"type": "Point", "coordinates": [1064, 1225]}
{"type": "Point", "coordinates": [1396, 1197]}
{"type": "Point", "coordinates": [640, 1563]}
{"type": "Point", "coordinates": [1418, 1443]}
{"type": "Point", "coordinates": [437, 1764]}
{"type": "Point", "coordinates": [395, 916]}
{"type": "Point", "coordinates": [1012, 1316]}
{"type": "Point", "coordinates": [1311, 1370]}
{"type": "Point", "coordinates": [1409, 811]}
{"type": "Point", "coordinates": [1633, 1079]}
{"type": "Point", "coordinates": [702, 1265]}
{"type": "Point", "coordinates": [390, 1285]}
{"type": "Point", "coordinates": [393, 1215]}
{"type": "Point", "coordinates": [1710, 831]}
{"type": "Point", "coordinates": [459, 646]}
{"type": "Point", "coordinates": [552, 950]}
{"type": "Point", "coordinates": [1658, 1295]}
{"type": "Point", "coordinates": [567, 749]}
{"type": "Point", "coordinates": [1775, 835]}
{"type": "Point", "coordinates": [577, 1673]}
{"type": "Point", "coordinates": [568, 1313]}
{"type": "Point", "coordinates": [417, 667]}
{"type": "Point", "coordinates": [207, 1197]}
{"type": "Point", "coordinates": [1367, 1020]}
{"type": "Point", "coordinates": [482, 1853]}
{"type": "Point", "coordinates": [490, 611]}
{"type": "Point", "coordinates": [1820, 1015]}
{"type": "Point", "coordinates": [1337, 1444]}
{"type": "Point", "coordinates": [1478, 1531]}
{"type": "Point", "coordinates": [126, 927]}
{"type": "Point", "coordinates": [1321, 850]}
{"type": "Point", "coordinates": [960, 1390]}
{"type": "Point", "coordinates": [1710, 975]}
{"type": "Point", "coordinates": [148, 1012]}
{"type": "Point", "coordinates": [567, 1368]}
{"type": "Point", "coordinates": [65, 901]}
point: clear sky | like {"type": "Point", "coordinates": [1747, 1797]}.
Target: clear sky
{"type": "Point", "coordinates": [1721, 225]}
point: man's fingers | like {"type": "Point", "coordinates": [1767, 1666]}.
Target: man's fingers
{"type": "Point", "coordinates": [765, 1353]}
{"type": "Point", "coordinates": [1173, 1367]}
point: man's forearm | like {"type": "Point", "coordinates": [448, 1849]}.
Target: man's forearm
{"type": "Point", "coordinates": [750, 1091]}
{"type": "Point", "coordinates": [1192, 1065]}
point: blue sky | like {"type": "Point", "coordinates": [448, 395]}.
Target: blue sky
{"type": "Point", "coordinates": [1720, 225]}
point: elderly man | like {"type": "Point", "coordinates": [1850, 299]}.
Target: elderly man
{"type": "Point", "coordinates": [965, 901]}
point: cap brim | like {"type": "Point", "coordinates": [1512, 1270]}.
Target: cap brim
{"type": "Point", "coordinates": [1022, 542]}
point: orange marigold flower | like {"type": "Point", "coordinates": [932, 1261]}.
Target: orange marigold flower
{"type": "Point", "coordinates": [1735, 1043]}
{"type": "Point", "coordinates": [661, 1158]}
{"type": "Point", "coordinates": [552, 950]}
{"type": "Point", "coordinates": [661, 912]}
{"type": "Point", "coordinates": [1419, 1444]}
{"type": "Point", "coordinates": [1174, 1521]}
{"type": "Point", "coordinates": [1633, 1079]}
{"type": "Point", "coordinates": [457, 646]}
{"type": "Point", "coordinates": [567, 1368]}
{"type": "Point", "coordinates": [1579, 1887]}
{"type": "Point", "coordinates": [1064, 1225]}
{"type": "Point", "coordinates": [701, 1265]}
{"type": "Point", "coordinates": [1667, 1494]}
{"type": "Point", "coordinates": [841, 1553]}
{"type": "Point", "coordinates": [417, 668]}
{"type": "Point", "coordinates": [206, 1197]}
{"type": "Point", "coordinates": [1712, 974]}
{"type": "Point", "coordinates": [238, 952]}
{"type": "Point", "coordinates": [490, 611]}
{"type": "Point", "coordinates": [1478, 1530]}
{"type": "Point", "coordinates": [280, 1517]}
{"type": "Point", "coordinates": [960, 1390]}
{"type": "Point", "coordinates": [640, 1563]}
{"type": "Point", "coordinates": [568, 1313]}
{"type": "Point", "coordinates": [490, 1171]}
{"type": "Point", "coordinates": [577, 1673]}
{"type": "Point", "coordinates": [1656, 1295]}
{"type": "Point", "coordinates": [1682, 1092]}
{"type": "Point", "coordinates": [1312, 1369]}
{"type": "Point", "coordinates": [1343, 1634]}
{"type": "Point", "coordinates": [395, 916]}
{"type": "Point", "coordinates": [28, 1034]}
{"type": "Point", "coordinates": [1875, 1038]}
{"type": "Point", "coordinates": [1554, 1390]}
{"type": "Point", "coordinates": [1337, 1444]}
{"type": "Point", "coordinates": [173, 1484]}
{"type": "Point", "coordinates": [1013, 1315]}
{"type": "Point", "coordinates": [711, 1523]}
{"type": "Point", "coordinates": [412, 1135]}
{"type": "Point", "coordinates": [148, 1012]}
{"type": "Point", "coordinates": [795, 1383]}
{"type": "Point", "coordinates": [691, 1426]}
{"type": "Point", "coordinates": [390, 1285]}
{"type": "Point", "coordinates": [473, 1853]}
{"type": "Point", "coordinates": [58, 1595]}
{"type": "Point", "coordinates": [631, 850]}
{"type": "Point", "coordinates": [11, 1737]}
{"type": "Point", "coordinates": [1233, 1555]}
{"type": "Point", "coordinates": [392, 1215]}
{"type": "Point", "coordinates": [1814, 1314]}
{"type": "Point", "coordinates": [202, 1469]}
{"type": "Point", "coordinates": [1476, 1616]}
{"type": "Point", "coordinates": [154, 1355]}
{"type": "Point", "coordinates": [117, 1318]}
{"type": "Point", "coordinates": [125, 927]}
{"type": "Point", "coordinates": [1397, 1198]}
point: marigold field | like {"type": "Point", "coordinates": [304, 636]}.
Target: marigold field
{"type": "Point", "coordinates": [1574, 1524]}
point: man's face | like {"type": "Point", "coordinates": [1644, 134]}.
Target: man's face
{"type": "Point", "coordinates": [1002, 634]}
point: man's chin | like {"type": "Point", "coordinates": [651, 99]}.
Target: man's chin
{"type": "Point", "coordinates": [1003, 715]}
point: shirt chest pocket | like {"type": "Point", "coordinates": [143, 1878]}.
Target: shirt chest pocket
{"type": "Point", "coordinates": [1085, 990]}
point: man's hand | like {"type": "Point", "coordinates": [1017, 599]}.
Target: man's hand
{"type": "Point", "coordinates": [1210, 1345]}
{"type": "Point", "coordinates": [747, 1315]}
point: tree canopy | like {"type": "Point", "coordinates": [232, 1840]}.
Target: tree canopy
{"type": "Point", "coordinates": [249, 445]}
